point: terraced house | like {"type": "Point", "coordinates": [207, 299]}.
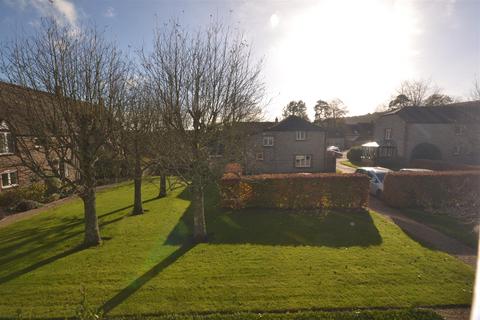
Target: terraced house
{"type": "Point", "coordinates": [450, 133]}
{"type": "Point", "coordinates": [12, 172]}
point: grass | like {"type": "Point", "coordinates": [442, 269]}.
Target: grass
{"type": "Point", "coordinates": [256, 261]}
{"type": "Point", "coordinates": [349, 164]}
{"type": "Point", "coordinates": [446, 224]}
{"type": "Point", "coordinates": [309, 315]}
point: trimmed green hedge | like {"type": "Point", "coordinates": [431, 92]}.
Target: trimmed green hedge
{"type": "Point", "coordinates": [354, 155]}
{"type": "Point", "coordinates": [306, 315]}
{"type": "Point", "coordinates": [446, 189]}
{"type": "Point", "coordinates": [295, 191]}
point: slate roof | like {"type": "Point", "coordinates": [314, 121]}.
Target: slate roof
{"type": "Point", "coordinates": [294, 123]}
{"type": "Point", "coordinates": [461, 112]}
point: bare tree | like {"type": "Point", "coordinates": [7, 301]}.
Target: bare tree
{"type": "Point", "coordinates": [418, 93]}
{"type": "Point", "coordinates": [138, 137]}
{"type": "Point", "coordinates": [475, 94]}
{"type": "Point", "coordinates": [76, 82]}
{"type": "Point", "coordinates": [204, 84]}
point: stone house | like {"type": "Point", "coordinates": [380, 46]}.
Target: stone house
{"type": "Point", "coordinates": [289, 146]}
{"type": "Point", "coordinates": [450, 133]}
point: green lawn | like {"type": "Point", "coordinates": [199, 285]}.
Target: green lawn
{"type": "Point", "coordinates": [255, 261]}
{"type": "Point", "coordinates": [349, 164]}
{"type": "Point", "coordinates": [446, 224]}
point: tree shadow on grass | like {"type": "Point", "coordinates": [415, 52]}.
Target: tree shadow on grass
{"type": "Point", "coordinates": [138, 283]}
{"type": "Point", "coordinates": [259, 226]}
{"type": "Point", "coordinates": [67, 230]}
{"type": "Point", "coordinates": [279, 227]}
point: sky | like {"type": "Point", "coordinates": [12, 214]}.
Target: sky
{"type": "Point", "coordinates": [357, 51]}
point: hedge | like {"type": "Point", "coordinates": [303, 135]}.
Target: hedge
{"type": "Point", "coordinates": [439, 165]}
{"type": "Point", "coordinates": [295, 191]}
{"type": "Point", "coordinates": [444, 189]}
{"type": "Point", "coordinates": [354, 155]}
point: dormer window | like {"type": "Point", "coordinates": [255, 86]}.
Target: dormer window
{"type": "Point", "coordinates": [268, 141]}
{"type": "Point", "coordinates": [6, 140]}
{"type": "Point", "coordinates": [301, 135]}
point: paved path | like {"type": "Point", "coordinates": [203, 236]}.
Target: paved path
{"type": "Point", "coordinates": [343, 168]}
{"type": "Point", "coordinates": [426, 234]}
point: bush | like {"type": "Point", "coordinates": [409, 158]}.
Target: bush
{"type": "Point", "coordinates": [456, 190]}
{"type": "Point", "coordinates": [295, 191]}
{"type": "Point", "coordinates": [354, 155]}
{"type": "Point", "coordinates": [234, 168]}
{"type": "Point", "coordinates": [25, 205]}
{"type": "Point", "coordinates": [35, 191]}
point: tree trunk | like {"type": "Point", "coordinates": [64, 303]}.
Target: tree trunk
{"type": "Point", "coordinates": [199, 224]}
{"type": "Point", "coordinates": [92, 230]}
{"type": "Point", "coordinates": [163, 186]}
{"type": "Point", "coordinates": [137, 202]}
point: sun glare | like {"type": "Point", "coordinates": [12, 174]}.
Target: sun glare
{"type": "Point", "coordinates": [346, 50]}
{"type": "Point", "coordinates": [274, 20]}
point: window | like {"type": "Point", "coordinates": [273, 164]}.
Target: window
{"type": "Point", "coordinates": [388, 133]}
{"type": "Point", "coordinates": [259, 156]}
{"type": "Point", "coordinates": [387, 151]}
{"type": "Point", "coordinates": [458, 130]}
{"type": "Point", "coordinates": [6, 143]}
{"type": "Point", "coordinates": [301, 135]}
{"type": "Point", "coordinates": [9, 179]}
{"type": "Point", "coordinates": [457, 150]}
{"type": "Point", "coordinates": [267, 141]}
{"type": "Point", "coordinates": [303, 161]}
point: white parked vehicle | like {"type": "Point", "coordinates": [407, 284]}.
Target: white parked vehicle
{"type": "Point", "coordinates": [415, 170]}
{"type": "Point", "coordinates": [334, 150]}
{"type": "Point", "coordinates": [377, 176]}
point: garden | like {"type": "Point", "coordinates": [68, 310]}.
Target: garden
{"type": "Point", "coordinates": [256, 261]}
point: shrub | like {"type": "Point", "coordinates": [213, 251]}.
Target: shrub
{"type": "Point", "coordinates": [295, 191]}
{"type": "Point", "coordinates": [35, 191]}
{"type": "Point", "coordinates": [439, 165]}
{"type": "Point", "coordinates": [234, 168]}
{"type": "Point", "coordinates": [354, 155]}
{"type": "Point", "coordinates": [25, 205]}
{"type": "Point", "coordinates": [456, 190]}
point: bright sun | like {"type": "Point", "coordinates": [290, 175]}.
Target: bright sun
{"type": "Point", "coordinates": [344, 49]}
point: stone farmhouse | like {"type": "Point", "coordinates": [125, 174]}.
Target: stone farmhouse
{"type": "Point", "coordinates": [450, 133]}
{"type": "Point", "coordinates": [289, 146]}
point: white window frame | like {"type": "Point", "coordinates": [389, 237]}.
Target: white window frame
{"type": "Point", "coordinates": [303, 161]}
{"type": "Point", "coordinates": [387, 135]}
{"type": "Point", "coordinates": [300, 135]}
{"type": "Point", "coordinates": [268, 141]}
{"type": "Point", "coordinates": [6, 136]}
{"type": "Point", "coordinates": [259, 156]}
{"type": "Point", "coordinates": [10, 184]}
